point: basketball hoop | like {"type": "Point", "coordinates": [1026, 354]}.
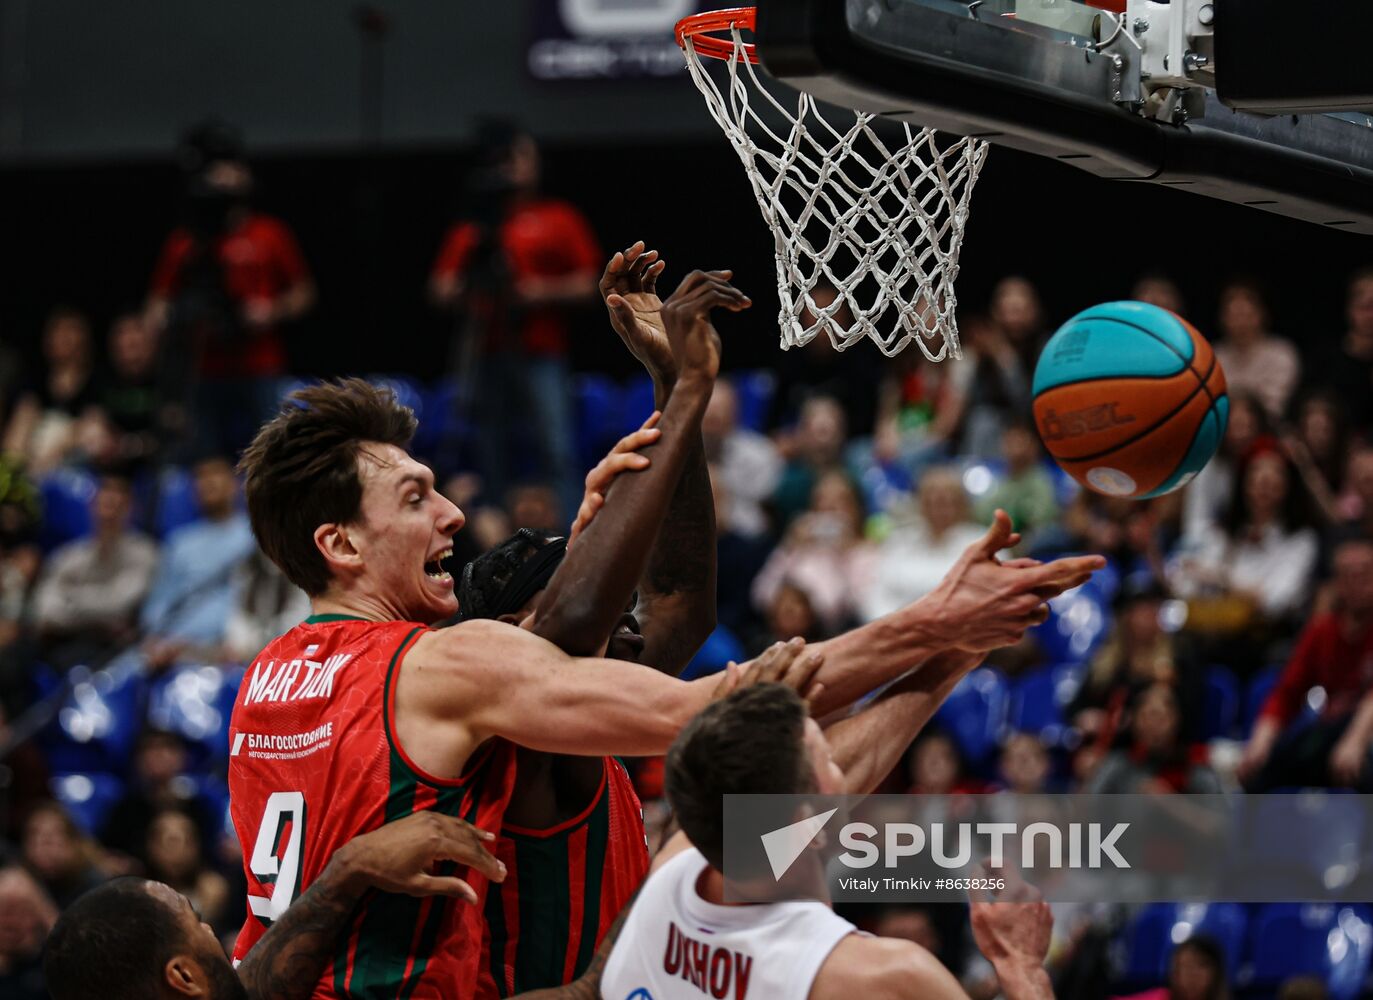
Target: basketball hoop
{"type": "Point", "coordinates": [867, 224]}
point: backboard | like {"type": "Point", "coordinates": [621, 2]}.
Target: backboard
{"type": "Point", "coordinates": [1134, 90]}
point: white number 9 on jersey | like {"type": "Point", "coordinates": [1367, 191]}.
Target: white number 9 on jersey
{"type": "Point", "coordinates": [275, 864]}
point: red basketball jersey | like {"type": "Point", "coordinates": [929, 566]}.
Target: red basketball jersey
{"type": "Point", "coordinates": [313, 762]}
{"type": "Point", "coordinates": [563, 888]}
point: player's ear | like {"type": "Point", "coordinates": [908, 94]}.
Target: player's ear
{"type": "Point", "coordinates": [185, 977]}
{"type": "Point", "coordinates": [336, 544]}
{"type": "Point", "coordinates": [512, 618]}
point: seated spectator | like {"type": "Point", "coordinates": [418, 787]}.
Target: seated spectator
{"type": "Point", "coordinates": [817, 369]}
{"type": "Point", "coordinates": [1004, 352]}
{"type": "Point", "coordinates": [23, 775]}
{"type": "Point", "coordinates": [812, 449]}
{"type": "Point", "coordinates": [54, 410]}
{"type": "Point", "coordinates": [1257, 570]}
{"type": "Point", "coordinates": [918, 552]}
{"type": "Point", "coordinates": [1196, 971]}
{"type": "Point", "coordinates": [534, 506]}
{"type": "Point", "coordinates": [192, 596]}
{"type": "Point", "coordinates": [1026, 492]}
{"type": "Point", "coordinates": [174, 854]}
{"type": "Point", "coordinates": [87, 598]}
{"type": "Point", "coordinates": [20, 560]}
{"type": "Point", "coordinates": [1154, 757]}
{"type": "Point", "coordinates": [1347, 367]}
{"type": "Point", "coordinates": [1355, 506]}
{"type": "Point", "coordinates": [919, 409]}
{"type": "Point", "coordinates": [824, 554]}
{"type": "Point", "coordinates": [26, 917]}
{"type": "Point", "coordinates": [1319, 448]}
{"type": "Point", "coordinates": [1255, 361]}
{"type": "Point", "coordinates": [1334, 653]}
{"type": "Point", "coordinates": [138, 416]}
{"type": "Point", "coordinates": [744, 461]}
{"type": "Point", "coordinates": [266, 605]}
{"type": "Point", "coordinates": [738, 558]}
{"type": "Point", "coordinates": [59, 854]}
{"type": "Point", "coordinates": [160, 759]}
{"type": "Point", "coordinates": [1158, 289]}
{"type": "Point", "coordinates": [936, 767]}
{"type": "Point", "coordinates": [1211, 493]}
{"type": "Point", "coordinates": [790, 613]}
{"type": "Point", "coordinates": [1024, 765]}
{"type": "Point", "coordinates": [1138, 653]}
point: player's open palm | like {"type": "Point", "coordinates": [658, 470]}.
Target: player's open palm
{"type": "Point", "coordinates": [986, 604]}
{"type": "Point", "coordinates": [403, 856]}
{"type": "Point", "coordinates": [629, 289]}
{"type": "Point", "coordinates": [686, 318]}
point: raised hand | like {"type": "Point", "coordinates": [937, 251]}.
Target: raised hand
{"type": "Point", "coordinates": [984, 604]}
{"type": "Point", "coordinates": [624, 457]}
{"type": "Point", "coordinates": [686, 319]}
{"type": "Point", "coordinates": [401, 856]}
{"type": "Point", "coordinates": [781, 663]}
{"type": "Point", "coordinates": [629, 290]}
{"type": "Point", "coordinates": [1013, 928]}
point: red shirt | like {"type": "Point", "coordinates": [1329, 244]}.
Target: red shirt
{"type": "Point", "coordinates": [1324, 657]}
{"type": "Point", "coordinates": [543, 238]}
{"type": "Point", "coordinates": [313, 762]}
{"type": "Point", "coordinates": [261, 261]}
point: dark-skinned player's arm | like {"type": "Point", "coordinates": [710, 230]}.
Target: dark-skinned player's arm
{"type": "Point", "coordinates": [869, 743]}
{"type": "Point", "coordinates": [398, 857]}
{"type": "Point", "coordinates": [981, 604]}
{"type": "Point", "coordinates": [590, 590]}
{"type": "Point", "coordinates": [676, 608]}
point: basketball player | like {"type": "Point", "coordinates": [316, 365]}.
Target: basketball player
{"type": "Point", "coordinates": [573, 837]}
{"type": "Point", "coordinates": [681, 941]}
{"type": "Point", "coordinates": [135, 939]}
{"type": "Point", "coordinates": [362, 714]}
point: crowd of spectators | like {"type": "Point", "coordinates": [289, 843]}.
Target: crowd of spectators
{"type": "Point", "coordinates": [1229, 645]}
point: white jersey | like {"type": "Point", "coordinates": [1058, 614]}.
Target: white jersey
{"type": "Point", "coordinates": [676, 946]}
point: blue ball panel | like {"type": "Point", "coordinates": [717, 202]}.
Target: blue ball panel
{"type": "Point", "coordinates": [1097, 347]}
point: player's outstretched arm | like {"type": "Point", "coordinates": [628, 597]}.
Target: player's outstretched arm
{"type": "Point", "coordinates": [980, 605]}
{"type": "Point", "coordinates": [589, 592]}
{"type": "Point", "coordinates": [883, 969]}
{"type": "Point", "coordinates": [676, 608]}
{"type": "Point", "coordinates": [869, 743]}
{"type": "Point", "coordinates": [295, 952]}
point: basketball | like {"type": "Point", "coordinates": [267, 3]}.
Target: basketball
{"type": "Point", "coordinates": [1130, 400]}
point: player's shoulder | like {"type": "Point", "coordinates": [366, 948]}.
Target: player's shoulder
{"type": "Point", "coordinates": [462, 646]}
{"type": "Point", "coordinates": [879, 968]}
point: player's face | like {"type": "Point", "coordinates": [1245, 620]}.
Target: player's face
{"type": "Point", "coordinates": [405, 532]}
{"type": "Point", "coordinates": [829, 777]}
{"type": "Point", "coordinates": [221, 982]}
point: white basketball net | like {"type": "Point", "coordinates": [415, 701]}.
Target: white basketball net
{"type": "Point", "coordinates": [867, 231]}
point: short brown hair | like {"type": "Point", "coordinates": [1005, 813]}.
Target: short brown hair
{"type": "Point", "coordinates": [750, 743]}
{"type": "Point", "coordinates": [302, 469]}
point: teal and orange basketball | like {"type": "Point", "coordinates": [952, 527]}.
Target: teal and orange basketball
{"type": "Point", "coordinates": [1130, 400]}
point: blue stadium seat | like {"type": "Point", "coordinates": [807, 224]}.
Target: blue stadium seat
{"type": "Point", "coordinates": [67, 495]}
{"type": "Point", "coordinates": [720, 647]}
{"type": "Point", "coordinates": [1331, 940]}
{"type": "Point", "coordinates": [97, 724]}
{"type": "Point", "coordinates": [975, 714]}
{"type": "Point", "coordinates": [1078, 623]}
{"type": "Point", "coordinates": [599, 409]}
{"type": "Point", "coordinates": [755, 390]}
{"type": "Point", "coordinates": [1220, 705]}
{"type": "Point", "coordinates": [195, 701]}
{"type": "Point", "coordinates": [1066, 488]}
{"type": "Point", "coordinates": [1306, 842]}
{"type": "Point", "coordinates": [1035, 706]}
{"type": "Point", "coordinates": [442, 430]}
{"type": "Point", "coordinates": [1160, 927]}
{"type": "Point", "coordinates": [176, 501]}
{"type": "Point", "coordinates": [1260, 687]}
{"type": "Point", "coordinates": [636, 403]}
{"type": "Point", "coordinates": [88, 798]}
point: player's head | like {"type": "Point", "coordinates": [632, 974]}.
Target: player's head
{"type": "Point", "coordinates": [758, 741]}
{"type": "Point", "coordinates": [343, 510]}
{"type": "Point", "coordinates": [133, 939]}
{"type": "Point", "coordinates": [507, 583]}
